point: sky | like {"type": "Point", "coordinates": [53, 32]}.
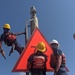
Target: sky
{"type": "Point", "coordinates": [56, 21]}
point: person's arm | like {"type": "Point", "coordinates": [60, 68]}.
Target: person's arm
{"type": "Point", "coordinates": [19, 33]}
{"type": "Point", "coordinates": [0, 44]}
{"type": "Point", "coordinates": [59, 60]}
{"type": "Point", "coordinates": [1, 40]}
{"type": "Point", "coordinates": [1, 50]}
{"type": "Point", "coordinates": [29, 61]}
{"type": "Point", "coordinates": [3, 53]}
{"type": "Point", "coordinates": [28, 66]}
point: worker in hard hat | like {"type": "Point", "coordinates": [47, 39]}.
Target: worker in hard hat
{"type": "Point", "coordinates": [37, 61]}
{"type": "Point", "coordinates": [58, 59]}
{"type": "Point", "coordinates": [10, 39]}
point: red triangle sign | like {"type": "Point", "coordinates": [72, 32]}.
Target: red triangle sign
{"type": "Point", "coordinates": [35, 38]}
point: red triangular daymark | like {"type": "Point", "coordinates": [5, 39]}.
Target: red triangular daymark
{"type": "Point", "coordinates": [35, 38]}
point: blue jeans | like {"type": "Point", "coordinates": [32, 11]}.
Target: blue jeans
{"type": "Point", "coordinates": [62, 71]}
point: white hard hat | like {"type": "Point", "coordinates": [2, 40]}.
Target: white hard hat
{"type": "Point", "coordinates": [54, 41]}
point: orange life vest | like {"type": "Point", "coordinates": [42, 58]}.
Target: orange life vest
{"type": "Point", "coordinates": [53, 60]}
{"type": "Point", "coordinates": [10, 38]}
{"type": "Point", "coordinates": [38, 62]}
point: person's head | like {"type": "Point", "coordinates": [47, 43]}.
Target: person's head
{"type": "Point", "coordinates": [41, 47]}
{"type": "Point", "coordinates": [6, 27]}
{"type": "Point", "coordinates": [54, 44]}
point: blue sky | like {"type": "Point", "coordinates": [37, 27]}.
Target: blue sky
{"type": "Point", "coordinates": [56, 21]}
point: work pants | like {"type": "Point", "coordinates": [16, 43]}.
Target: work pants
{"type": "Point", "coordinates": [18, 47]}
{"type": "Point", "coordinates": [62, 71]}
{"type": "Point", "coordinates": [38, 72]}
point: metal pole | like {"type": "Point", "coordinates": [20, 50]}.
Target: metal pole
{"type": "Point", "coordinates": [26, 39]}
{"type": "Point", "coordinates": [34, 22]}
{"type": "Point", "coordinates": [26, 35]}
{"type": "Point", "coordinates": [26, 30]}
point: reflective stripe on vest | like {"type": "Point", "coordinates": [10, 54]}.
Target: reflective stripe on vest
{"type": "Point", "coordinates": [38, 62]}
